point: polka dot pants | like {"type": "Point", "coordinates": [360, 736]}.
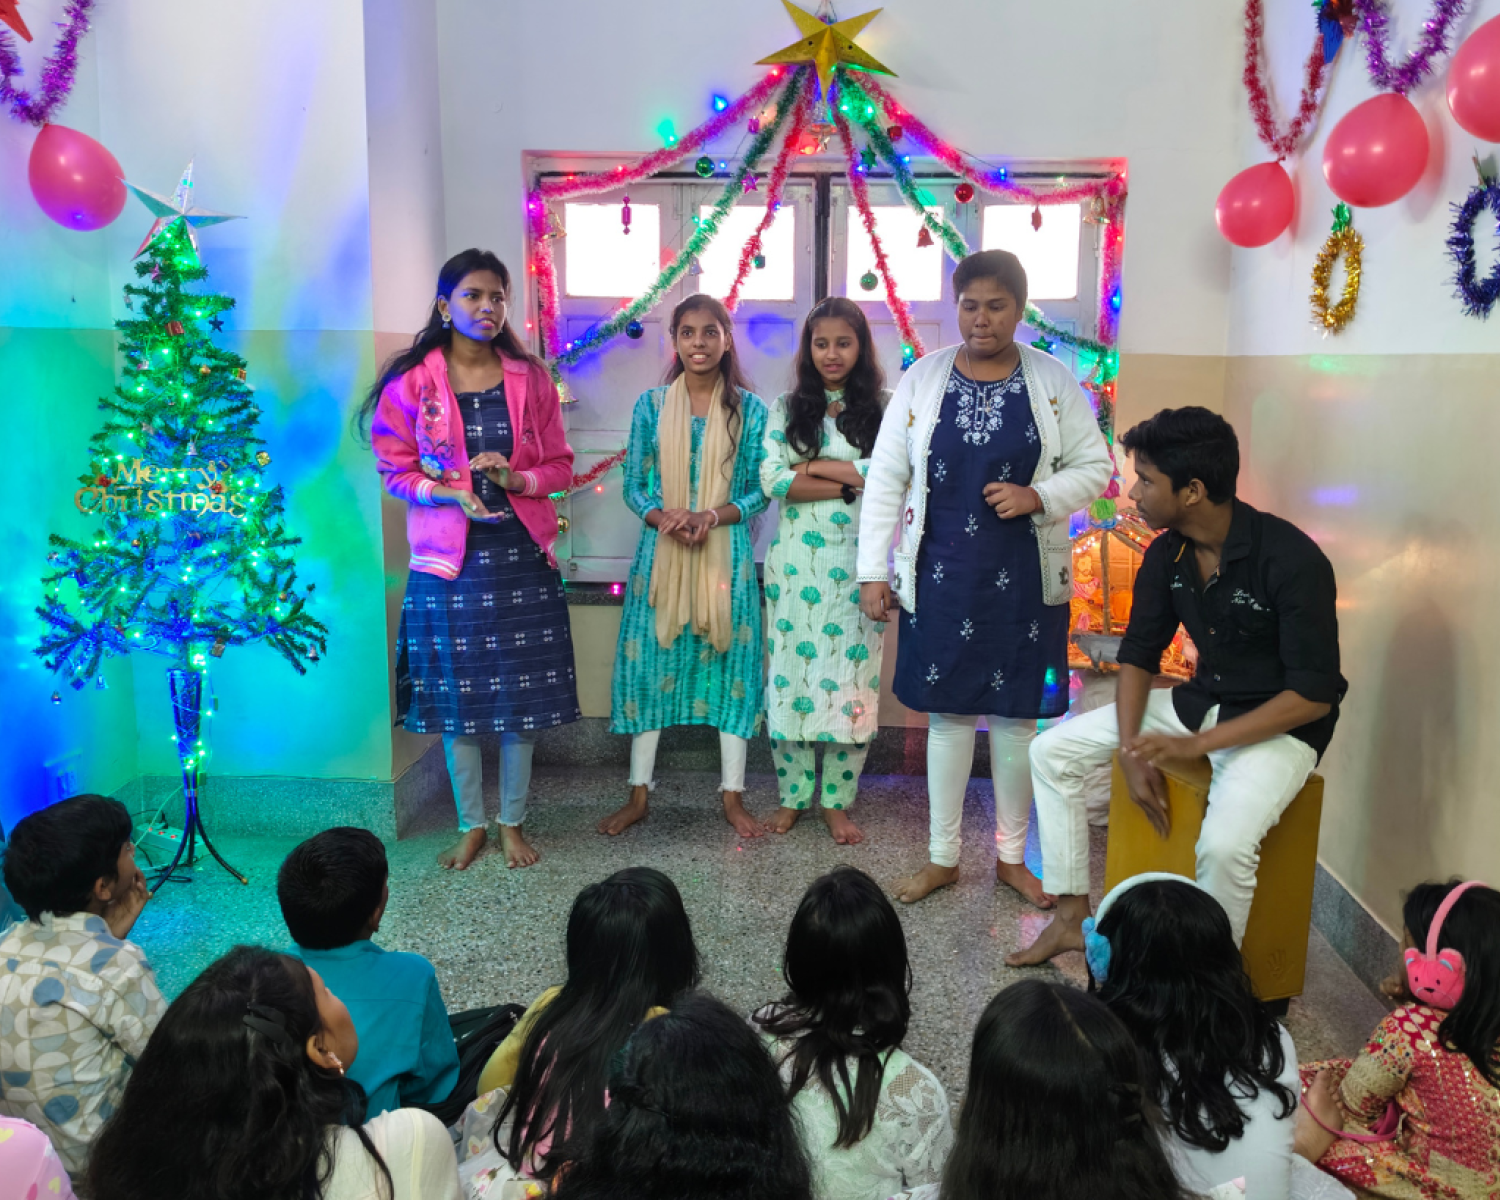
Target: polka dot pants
{"type": "Point", "coordinates": [797, 774]}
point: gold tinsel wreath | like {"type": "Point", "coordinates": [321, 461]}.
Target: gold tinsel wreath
{"type": "Point", "coordinates": [1347, 243]}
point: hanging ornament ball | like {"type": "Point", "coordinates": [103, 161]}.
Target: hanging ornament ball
{"type": "Point", "coordinates": [760, 262]}
{"type": "Point", "coordinates": [704, 166]}
{"type": "Point", "coordinates": [263, 459]}
{"type": "Point", "coordinates": [963, 193]}
{"type": "Point", "coordinates": [869, 281]}
{"type": "Point", "coordinates": [1036, 218]}
{"type": "Point", "coordinates": [634, 331]}
{"type": "Point", "coordinates": [56, 697]}
{"type": "Point", "coordinates": [205, 370]}
{"type": "Point", "coordinates": [135, 541]}
{"type": "Point", "coordinates": [895, 133]}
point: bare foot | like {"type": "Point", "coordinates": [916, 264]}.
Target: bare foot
{"type": "Point", "coordinates": [628, 814]}
{"type": "Point", "coordinates": [518, 851]}
{"type": "Point", "coordinates": [1312, 1140]}
{"type": "Point", "coordinates": [931, 877]}
{"type": "Point", "coordinates": [1018, 877]}
{"type": "Point", "coordinates": [1060, 936]}
{"type": "Point", "coordinates": [744, 824]}
{"type": "Point", "coordinates": [464, 851]}
{"type": "Point", "coordinates": [845, 831]}
{"type": "Point", "coordinates": [782, 820]}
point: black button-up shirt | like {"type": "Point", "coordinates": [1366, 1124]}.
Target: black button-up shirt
{"type": "Point", "coordinates": [1265, 622]}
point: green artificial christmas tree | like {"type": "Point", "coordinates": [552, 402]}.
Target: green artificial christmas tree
{"type": "Point", "coordinates": [191, 555]}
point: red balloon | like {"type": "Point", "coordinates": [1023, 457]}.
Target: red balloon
{"type": "Point", "coordinates": [1474, 83]}
{"type": "Point", "coordinates": [1376, 154]}
{"type": "Point", "coordinates": [1256, 206]}
{"type": "Point", "coordinates": [76, 180]}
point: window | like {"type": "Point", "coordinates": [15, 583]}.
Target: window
{"type": "Point", "coordinates": [777, 280]}
{"type": "Point", "coordinates": [1049, 254]}
{"type": "Point", "coordinates": [602, 259]}
{"type": "Point", "coordinates": [918, 270]}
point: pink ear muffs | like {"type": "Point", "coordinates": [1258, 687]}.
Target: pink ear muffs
{"type": "Point", "coordinates": [1436, 978]}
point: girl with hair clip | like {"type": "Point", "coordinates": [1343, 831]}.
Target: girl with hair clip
{"type": "Point", "coordinates": [825, 653]}
{"type": "Point", "coordinates": [1416, 1116]}
{"type": "Point", "coordinates": [696, 1112]}
{"type": "Point", "coordinates": [241, 1095]}
{"type": "Point", "coordinates": [467, 429]}
{"type": "Point", "coordinates": [1056, 1107]}
{"type": "Point", "coordinates": [1223, 1069]}
{"type": "Point", "coordinates": [630, 955]}
{"type": "Point", "coordinates": [690, 649]}
{"type": "Point", "coordinates": [873, 1119]}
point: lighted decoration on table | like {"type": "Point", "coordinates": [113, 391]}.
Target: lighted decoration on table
{"type": "Point", "coordinates": [1106, 556]}
{"type": "Point", "coordinates": [1478, 295]}
{"type": "Point", "coordinates": [190, 554]}
{"type": "Point", "coordinates": [1344, 242]}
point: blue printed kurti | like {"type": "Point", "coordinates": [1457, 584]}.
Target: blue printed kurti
{"type": "Point", "coordinates": [981, 641]}
{"type": "Point", "coordinates": [690, 683]}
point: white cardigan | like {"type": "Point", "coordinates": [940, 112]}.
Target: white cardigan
{"type": "Point", "coordinates": [1074, 469]}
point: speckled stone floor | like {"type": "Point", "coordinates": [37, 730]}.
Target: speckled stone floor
{"type": "Point", "coordinates": [496, 935]}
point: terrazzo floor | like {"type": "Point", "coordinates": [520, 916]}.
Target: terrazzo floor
{"type": "Point", "coordinates": [496, 935]}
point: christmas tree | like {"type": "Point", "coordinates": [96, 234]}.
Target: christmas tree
{"type": "Point", "coordinates": [191, 554]}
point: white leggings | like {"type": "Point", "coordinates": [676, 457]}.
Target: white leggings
{"type": "Point", "coordinates": [950, 758]}
{"type": "Point", "coordinates": [732, 751]}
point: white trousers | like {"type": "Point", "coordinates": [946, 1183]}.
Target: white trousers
{"type": "Point", "coordinates": [950, 758]}
{"type": "Point", "coordinates": [462, 752]}
{"type": "Point", "coordinates": [1252, 785]}
{"type": "Point", "coordinates": [732, 751]}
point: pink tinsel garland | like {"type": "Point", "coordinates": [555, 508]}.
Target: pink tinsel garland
{"type": "Point", "coordinates": [1279, 143]}
{"type": "Point", "coordinates": [861, 189]}
{"type": "Point", "coordinates": [774, 189]}
{"type": "Point", "coordinates": [58, 69]}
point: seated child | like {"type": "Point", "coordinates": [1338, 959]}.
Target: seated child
{"type": "Point", "coordinates": [241, 1094]}
{"type": "Point", "coordinates": [873, 1120]}
{"type": "Point", "coordinates": [1222, 1068]}
{"type": "Point", "coordinates": [695, 1110]}
{"type": "Point", "coordinates": [77, 1001]}
{"type": "Point", "coordinates": [1056, 1107]}
{"type": "Point", "coordinates": [1432, 1068]}
{"type": "Point", "coordinates": [333, 890]}
{"type": "Point", "coordinates": [630, 954]}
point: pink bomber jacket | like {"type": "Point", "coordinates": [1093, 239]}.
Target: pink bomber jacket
{"type": "Point", "coordinates": [418, 438]}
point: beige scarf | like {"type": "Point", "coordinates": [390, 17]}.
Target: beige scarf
{"type": "Point", "coordinates": [692, 583]}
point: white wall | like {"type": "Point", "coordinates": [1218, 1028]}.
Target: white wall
{"type": "Point", "coordinates": [1406, 301]}
{"type": "Point", "coordinates": [1151, 82]}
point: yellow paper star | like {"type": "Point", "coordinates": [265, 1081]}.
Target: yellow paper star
{"type": "Point", "coordinates": [827, 46]}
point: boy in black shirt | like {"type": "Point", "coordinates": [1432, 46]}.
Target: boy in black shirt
{"type": "Point", "coordinates": [1257, 597]}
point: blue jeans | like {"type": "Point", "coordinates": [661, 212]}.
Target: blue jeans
{"type": "Point", "coordinates": [462, 753]}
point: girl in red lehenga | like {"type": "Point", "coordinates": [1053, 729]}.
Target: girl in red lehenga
{"type": "Point", "coordinates": [1417, 1115]}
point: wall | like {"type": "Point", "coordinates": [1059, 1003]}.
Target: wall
{"type": "Point", "coordinates": [1380, 443]}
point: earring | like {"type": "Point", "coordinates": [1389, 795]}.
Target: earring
{"type": "Point", "coordinates": [445, 321]}
{"type": "Point", "coordinates": [336, 1063]}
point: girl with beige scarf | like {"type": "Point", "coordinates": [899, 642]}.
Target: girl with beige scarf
{"type": "Point", "coordinates": [690, 649]}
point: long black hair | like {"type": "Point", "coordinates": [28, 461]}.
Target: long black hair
{"type": "Point", "coordinates": [805, 405]}
{"type": "Point", "coordinates": [218, 1110]}
{"type": "Point", "coordinates": [729, 366]}
{"type": "Point", "coordinates": [850, 987]}
{"type": "Point", "coordinates": [696, 1112]}
{"type": "Point", "coordinates": [630, 949]}
{"type": "Point", "coordinates": [435, 333]}
{"type": "Point", "coordinates": [1178, 983]}
{"type": "Point", "coordinates": [1056, 1108]}
{"type": "Point", "coordinates": [1472, 927]}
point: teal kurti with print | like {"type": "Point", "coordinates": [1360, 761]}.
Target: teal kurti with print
{"type": "Point", "coordinates": [690, 683]}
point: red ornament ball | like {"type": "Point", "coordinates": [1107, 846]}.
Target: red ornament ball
{"type": "Point", "coordinates": [963, 193]}
{"type": "Point", "coordinates": [895, 133]}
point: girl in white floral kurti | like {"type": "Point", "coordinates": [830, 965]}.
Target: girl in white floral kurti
{"type": "Point", "coordinates": [873, 1120]}
{"type": "Point", "coordinates": [825, 654]}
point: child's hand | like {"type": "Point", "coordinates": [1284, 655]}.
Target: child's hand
{"type": "Point", "coordinates": [1394, 988]}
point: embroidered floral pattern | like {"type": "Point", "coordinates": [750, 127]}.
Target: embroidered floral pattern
{"type": "Point", "coordinates": [981, 406]}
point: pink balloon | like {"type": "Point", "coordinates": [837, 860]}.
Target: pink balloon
{"type": "Point", "coordinates": [1256, 206]}
{"type": "Point", "coordinates": [1474, 83]}
{"type": "Point", "coordinates": [75, 179]}
{"type": "Point", "coordinates": [1376, 154]}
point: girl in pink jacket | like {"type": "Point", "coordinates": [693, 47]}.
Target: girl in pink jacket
{"type": "Point", "coordinates": [467, 430]}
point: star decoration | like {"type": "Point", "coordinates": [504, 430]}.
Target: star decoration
{"type": "Point", "coordinates": [179, 207]}
{"type": "Point", "coordinates": [217, 323]}
{"type": "Point", "coordinates": [11, 17]}
{"type": "Point", "coordinates": [827, 46]}
{"type": "Point", "coordinates": [750, 183]}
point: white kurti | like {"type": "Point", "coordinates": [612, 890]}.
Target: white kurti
{"type": "Point", "coordinates": [906, 1147]}
{"type": "Point", "coordinates": [825, 655]}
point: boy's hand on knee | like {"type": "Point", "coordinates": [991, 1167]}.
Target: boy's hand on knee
{"type": "Point", "coordinates": [1148, 789]}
